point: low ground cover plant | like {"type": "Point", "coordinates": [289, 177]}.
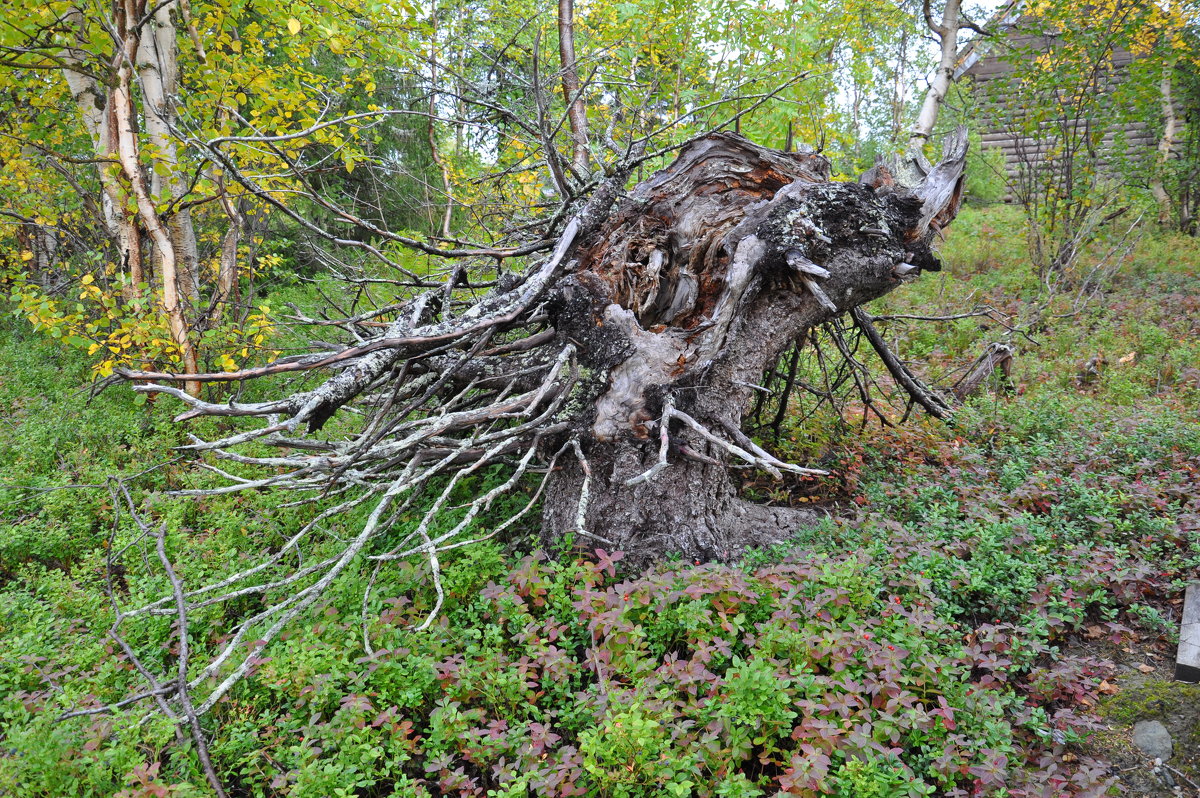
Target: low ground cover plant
{"type": "Point", "coordinates": [949, 630]}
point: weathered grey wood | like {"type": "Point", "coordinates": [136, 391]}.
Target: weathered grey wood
{"type": "Point", "coordinates": [619, 362]}
{"type": "Point", "coordinates": [774, 248]}
{"type": "Point", "coordinates": [997, 356]}
{"type": "Point", "coordinates": [1187, 658]}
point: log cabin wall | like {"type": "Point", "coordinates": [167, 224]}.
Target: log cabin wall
{"type": "Point", "coordinates": [985, 69]}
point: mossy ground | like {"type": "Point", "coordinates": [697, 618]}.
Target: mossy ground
{"type": "Point", "coordinates": [1150, 697]}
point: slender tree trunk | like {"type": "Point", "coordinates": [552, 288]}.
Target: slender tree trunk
{"type": "Point", "coordinates": [225, 291]}
{"type": "Point", "coordinates": [434, 150]}
{"type": "Point", "coordinates": [128, 203]}
{"type": "Point", "coordinates": [576, 110]}
{"type": "Point", "coordinates": [158, 72]}
{"type": "Point", "coordinates": [898, 88]}
{"type": "Point", "coordinates": [128, 154]}
{"type": "Point", "coordinates": [943, 76]}
{"type": "Point", "coordinates": [1166, 143]}
{"type": "Point", "coordinates": [96, 107]}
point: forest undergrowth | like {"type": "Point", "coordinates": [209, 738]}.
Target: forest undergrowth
{"type": "Point", "coordinates": [965, 622]}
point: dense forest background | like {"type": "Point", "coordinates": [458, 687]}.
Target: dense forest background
{"type": "Point", "coordinates": [989, 603]}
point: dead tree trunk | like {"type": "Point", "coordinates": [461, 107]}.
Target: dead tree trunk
{"type": "Point", "coordinates": [692, 290]}
{"type": "Point", "coordinates": [624, 361]}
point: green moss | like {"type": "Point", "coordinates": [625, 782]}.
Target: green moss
{"type": "Point", "coordinates": [1153, 699]}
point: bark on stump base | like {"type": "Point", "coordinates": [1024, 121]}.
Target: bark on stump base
{"type": "Point", "coordinates": [695, 286]}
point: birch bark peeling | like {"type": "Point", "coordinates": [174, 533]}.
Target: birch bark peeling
{"type": "Point", "coordinates": [96, 107]}
{"type": "Point", "coordinates": [128, 154]}
{"type": "Point", "coordinates": [158, 74]}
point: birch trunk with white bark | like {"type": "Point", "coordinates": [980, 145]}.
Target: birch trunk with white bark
{"type": "Point", "coordinates": [943, 76]}
{"type": "Point", "coordinates": [95, 104]}
{"type": "Point", "coordinates": [158, 73]}
{"type": "Point", "coordinates": [129, 205]}
{"type": "Point", "coordinates": [1166, 144]}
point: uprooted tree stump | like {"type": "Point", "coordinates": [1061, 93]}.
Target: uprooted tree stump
{"type": "Point", "coordinates": [619, 367]}
{"type": "Point", "coordinates": [694, 287]}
